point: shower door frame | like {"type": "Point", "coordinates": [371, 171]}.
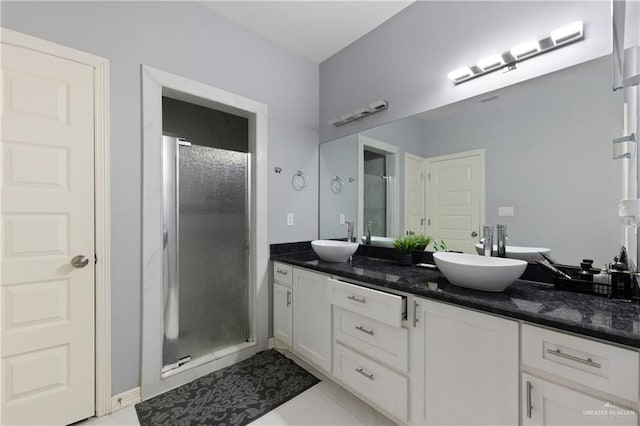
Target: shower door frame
{"type": "Point", "coordinates": [155, 85]}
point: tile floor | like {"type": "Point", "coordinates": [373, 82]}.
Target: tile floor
{"type": "Point", "coordinates": [324, 404]}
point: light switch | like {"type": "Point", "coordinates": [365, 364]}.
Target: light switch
{"type": "Point", "coordinates": [505, 211]}
{"type": "Point", "coordinates": [341, 218]}
{"type": "Point", "coordinates": [289, 219]}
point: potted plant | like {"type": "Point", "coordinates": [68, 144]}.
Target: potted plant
{"type": "Point", "coordinates": [406, 245]}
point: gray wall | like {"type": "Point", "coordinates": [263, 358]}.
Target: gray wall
{"type": "Point", "coordinates": [406, 59]}
{"type": "Point", "coordinates": [187, 39]}
{"type": "Point", "coordinates": [548, 154]}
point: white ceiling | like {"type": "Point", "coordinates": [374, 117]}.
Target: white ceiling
{"type": "Point", "coordinates": [314, 29]}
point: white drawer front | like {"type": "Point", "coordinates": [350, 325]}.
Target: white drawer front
{"type": "Point", "coordinates": [377, 340]}
{"type": "Point", "coordinates": [372, 381]}
{"type": "Point", "coordinates": [384, 307]}
{"type": "Point", "coordinates": [604, 367]}
{"type": "Point", "coordinates": [283, 273]}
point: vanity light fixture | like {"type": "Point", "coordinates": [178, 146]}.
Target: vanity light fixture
{"type": "Point", "coordinates": [525, 50]}
{"type": "Point", "coordinates": [508, 60]}
{"type": "Point", "coordinates": [372, 108]}
{"type": "Point", "coordinates": [569, 32]}
{"type": "Point", "coordinates": [490, 62]}
{"type": "Point", "coordinates": [460, 74]}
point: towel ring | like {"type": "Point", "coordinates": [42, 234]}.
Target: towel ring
{"type": "Point", "coordinates": [299, 181]}
{"type": "Point", "coordinates": [336, 184]}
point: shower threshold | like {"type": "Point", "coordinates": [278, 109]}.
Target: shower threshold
{"type": "Point", "coordinates": [177, 364]}
{"type": "Point", "coordinates": [172, 369]}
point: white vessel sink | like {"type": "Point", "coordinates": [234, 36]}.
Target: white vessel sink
{"type": "Point", "coordinates": [530, 254]}
{"type": "Point", "coordinates": [334, 251]}
{"type": "Point", "coordinates": [479, 272]}
{"type": "Point", "coordinates": [379, 241]}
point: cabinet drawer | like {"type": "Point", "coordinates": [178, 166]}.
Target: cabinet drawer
{"type": "Point", "coordinates": [604, 367]}
{"type": "Point", "coordinates": [372, 381]}
{"type": "Point", "coordinates": [383, 307]}
{"type": "Point", "coordinates": [378, 340]}
{"type": "Point", "coordinates": [283, 273]}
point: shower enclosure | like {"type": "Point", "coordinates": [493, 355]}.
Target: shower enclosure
{"type": "Point", "coordinates": [205, 251]}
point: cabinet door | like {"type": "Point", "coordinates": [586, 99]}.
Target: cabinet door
{"type": "Point", "coordinates": [312, 318]}
{"type": "Point", "coordinates": [545, 403]}
{"type": "Point", "coordinates": [464, 366]}
{"type": "Point", "coordinates": [283, 314]}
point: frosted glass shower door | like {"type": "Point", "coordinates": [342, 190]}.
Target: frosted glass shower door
{"type": "Point", "coordinates": [212, 253]}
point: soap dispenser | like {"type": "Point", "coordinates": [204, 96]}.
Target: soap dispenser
{"type": "Point", "coordinates": [621, 278]}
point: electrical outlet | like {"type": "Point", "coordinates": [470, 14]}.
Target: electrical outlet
{"type": "Point", "coordinates": [341, 218]}
{"type": "Point", "coordinates": [289, 219]}
{"type": "Point", "coordinates": [505, 211]}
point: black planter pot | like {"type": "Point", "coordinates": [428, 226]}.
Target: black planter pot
{"type": "Point", "coordinates": [422, 257]}
{"type": "Point", "coordinates": [405, 259]}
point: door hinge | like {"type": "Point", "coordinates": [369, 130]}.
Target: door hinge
{"type": "Point", "coordinates": [429, 176]}
{"type": "Point", "coordinates": [421, 176]}
{"type": "Point", "coordinates": [95, 259]}
{"type": "Point", "coordinates": [429, 222]}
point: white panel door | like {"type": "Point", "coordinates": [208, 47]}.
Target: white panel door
{"type": "Point", "coordinates": [47, 218]}
{"type": "Point", "coordinates": [455, 199]}
{"type": "Point", "coordinates": [414, 194]}
{"type": "Point", "coordinates": [547, 404]}
{"type": "Point", "coordinates": [312, 318]}
{"type": "Point", "coordinates": [464, 366]}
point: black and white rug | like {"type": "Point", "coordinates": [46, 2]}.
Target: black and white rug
{"type": "Point", "coordinates": [235, 395]}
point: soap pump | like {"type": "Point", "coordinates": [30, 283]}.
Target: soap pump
{"type": "Point", "coordinates": [621, 277]}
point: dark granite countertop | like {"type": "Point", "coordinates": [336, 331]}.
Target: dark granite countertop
{"type": "Point", "coordinates": [600, 317]}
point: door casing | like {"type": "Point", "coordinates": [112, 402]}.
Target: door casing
{"type": "Point", "coordinates": [101, 207]}
{"type": "Point", "coordinates": [155, 84]}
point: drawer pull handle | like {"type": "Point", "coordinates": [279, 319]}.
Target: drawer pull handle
{"type": "Point", "coordinates": [364, 330]}
{"type": "Point", "coordinates": [529, 406]}
{"type": "Point", "coordinates": [357, 299]}
{"type": "Point", "coordinates": [288, 298]}
{"type": "Point", "coordinates": [587, 361]}
{"type": "Point", "coordinates": [367, 375]}
{"type": "Point", "coordinates": [282, 271]}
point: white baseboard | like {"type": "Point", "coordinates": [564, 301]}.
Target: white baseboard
{"type": "Point", "coordinates": [125, 399]}
{"type": "Point", "coordinates": [271, 343]}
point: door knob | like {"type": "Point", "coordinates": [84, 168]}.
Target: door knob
{"type": "Point", "coordinates": [474, 234]}
{"type": "Point", "coordinates": [79, 261]}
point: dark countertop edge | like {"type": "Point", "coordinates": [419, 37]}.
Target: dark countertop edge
{"type": "Point", "coordinates": [609, 336]}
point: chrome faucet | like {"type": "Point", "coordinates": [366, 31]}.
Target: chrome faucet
{"type": "Point", "coordinates": [487, 240]}
{"type": "Point", "coordinates": [502, 240]}
{"type": "Point", "coordinates": [349, 231]}
{"type": "Point", "coordinates": [368, 239]}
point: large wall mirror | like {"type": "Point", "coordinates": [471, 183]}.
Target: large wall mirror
{"type": "Point", "coordinates": [536, 156]}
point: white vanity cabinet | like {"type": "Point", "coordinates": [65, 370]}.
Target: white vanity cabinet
{"type": "Point", "coordinates": [427, 362]}
{"type": "Point", "coordinates": [283, 304]}
{"type": "Point", "coordinates": [464, 366]}
{"type": "Point", "coordinates": [312, 318]}
{"type": "Point", "coordinates": [569, 380]}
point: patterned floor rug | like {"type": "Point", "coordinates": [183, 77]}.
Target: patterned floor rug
{"type": "Point", "coordinates": [236, 395]}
